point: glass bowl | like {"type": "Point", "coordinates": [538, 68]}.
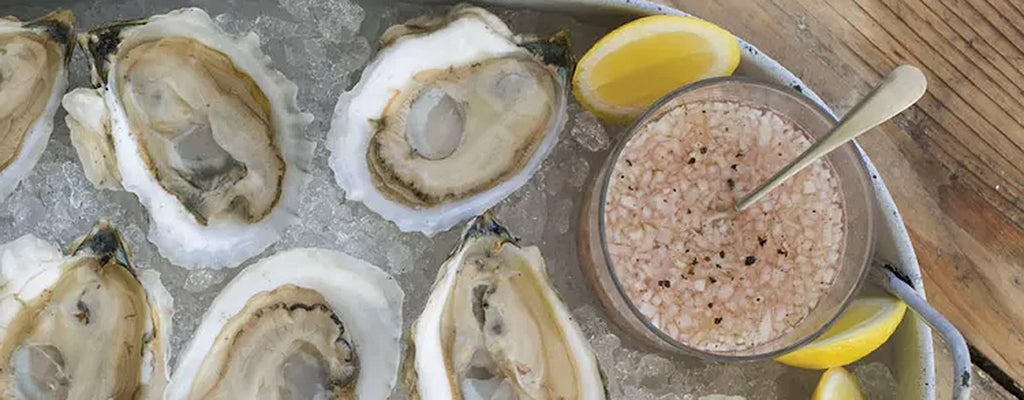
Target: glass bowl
{"type": "Point", "coordinates": [856, 192]}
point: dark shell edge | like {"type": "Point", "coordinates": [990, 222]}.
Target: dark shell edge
{"type": "Point", "coordinates": [105, 242]}
{"type": "Point", "coordinates": [101, 45]}
{"type": "Point", "coordinates": [59, 25]}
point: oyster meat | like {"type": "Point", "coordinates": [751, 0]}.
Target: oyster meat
{"type": "Point", "coordinates": [199, 127]}
{"type": "Point", "coordinates": [33, 75]}
{"type": "Point", "coordinates": [494, 328]}
{"type": "Point", "coordinates": [452, 115]}
{"type": "Point", "coordinates": [301, 324]}
{"type": "Point", "coordinates": [86, 325]}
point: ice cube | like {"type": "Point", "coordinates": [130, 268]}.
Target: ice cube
{"type": "Point", "coordinates": [588, 132]}
{"type": "Point", "coordinates": [198, 280]}
{"type": "Point", "coordinates": [655, 371]}
{"type": "Point", "coordinates": [876, 380]}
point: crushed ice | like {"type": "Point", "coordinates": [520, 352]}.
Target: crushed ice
{"type": "Point", "coordinates": [588, 131]}
{"type": "Point", "coordinates": [876, 380]}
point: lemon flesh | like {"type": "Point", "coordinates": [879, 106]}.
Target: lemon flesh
{"type": "Point", "coordinates": [638, 63]}
{"type": "Point", "coordinates": [837, 384]}
{"type": "Point", "coordinates": [865, 325]}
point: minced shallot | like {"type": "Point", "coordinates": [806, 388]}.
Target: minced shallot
{"type": "Point", "coordinates": [734, 284]}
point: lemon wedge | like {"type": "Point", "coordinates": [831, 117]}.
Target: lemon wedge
{"type": "Point", "coordinates": [837, 384]}
{"type": "Point", "coordinates": [865, 325]}
{"type": "Point", "coordinates": [638, 63]}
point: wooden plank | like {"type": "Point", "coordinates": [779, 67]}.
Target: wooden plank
{"type": "Point", "coordinates": [955, 162]}
{"type": "Point", "coordinates": [983, 386]}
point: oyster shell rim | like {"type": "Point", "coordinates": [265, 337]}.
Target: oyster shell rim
{"type": "Point", "coordinates": [173, 229]}
{"type": "Point", "coordinates": [485, 227]}
{"type": "Point", "coordinates": [348, 149]}
{"type": "Point", "coordinates": [288, 267]}
{"type": "Point", "coordinates": [105, 242]}
{"type": "Point", "coordinates": [60, 22]}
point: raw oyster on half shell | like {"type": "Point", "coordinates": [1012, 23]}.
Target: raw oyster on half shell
{"type": "Point", "coordinates": [86, 325]}
{"type": "Point", "coordinates": [301, 324]}
{"type": "Point", "coordinates": [197, 125]}
{"type": "Point", "coordinates": [34, 57]}
{"type": "Point", "coordinates": [452, 115]}
{"type": "Point", "coordinates": [494, 328]}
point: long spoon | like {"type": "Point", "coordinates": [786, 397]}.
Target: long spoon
{"type": "Point", "coordinates": [897, 92]}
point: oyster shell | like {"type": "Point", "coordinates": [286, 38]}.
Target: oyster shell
{"type": "Point", "coordinates": [33, 75]}
{"type": "Point", "coordinates": [302, 324]}
{"type": "Point", "coordinates": [453, 115]}
{"type": "Point", "coordinates": [199, 127]}
{"type": "Point", "coordinates": [494, 328]}
{"type": "Point", "coordinates": [86, 325]}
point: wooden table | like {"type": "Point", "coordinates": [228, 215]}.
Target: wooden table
{"type": "Point", "coordinates": [954, 163]}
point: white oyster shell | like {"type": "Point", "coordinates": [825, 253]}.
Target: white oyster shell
{"type": "Point", "coordinates": [366, 301]}
{"type": "Point", "coordinates": [54, 29]}
{"type": "Point", "coordinates": [71, 322]}
{"type": "Point", "coordinates": [113, 157]}
{"type": "Point", "coordinates": [467, 37]}
{"type": "Point", "coordinates": [494, 328]}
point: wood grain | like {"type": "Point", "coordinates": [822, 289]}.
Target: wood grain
{"type": "Point", "coordinates": [955, 162]}
{"type": "Point", "coordinates": [983, 386]}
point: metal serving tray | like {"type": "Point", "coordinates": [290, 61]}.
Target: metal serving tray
{"type": "Point", "coordinates": [322, 45]}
